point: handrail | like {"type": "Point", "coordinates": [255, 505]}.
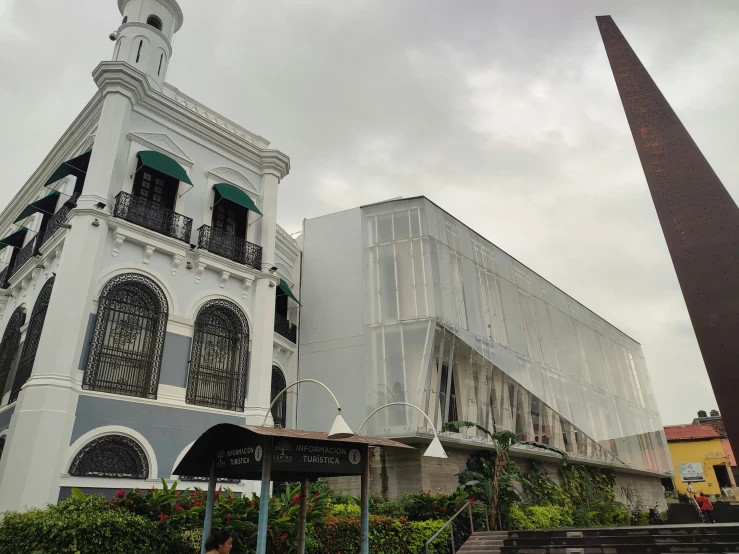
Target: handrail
{"type": "Point", "coordinates": [467, 505]}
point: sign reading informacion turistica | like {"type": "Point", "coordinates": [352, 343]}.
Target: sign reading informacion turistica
{"type": "Point", "coordinates": [691, 472]}
{"type": "Point", "coordinates": [294, 456]}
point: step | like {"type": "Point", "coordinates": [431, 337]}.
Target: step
{"type": "Point", "coordinates": [616, 540]}
{"type": "Point", "coordinates": [625, 549]}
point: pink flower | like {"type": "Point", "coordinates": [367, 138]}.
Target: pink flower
{"type": "Point", "coordinates": [228, 518]}
{"type": "Point", "coordinates": [120, 493]}
{"type": "Point", "coordinates": [163, 517]}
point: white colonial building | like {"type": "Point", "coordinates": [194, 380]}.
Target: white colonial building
{"type": "Point", "coordinates": [147, 289]}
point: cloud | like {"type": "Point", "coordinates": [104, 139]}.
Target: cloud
{"type": "Point", "coordinates": [504, 113]}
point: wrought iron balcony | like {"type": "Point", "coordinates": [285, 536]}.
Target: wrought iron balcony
{"type": "Point", "coordinates": [56, 221]}
{"type": "Point", "coordinates": [25, 254]}
{"type": "Point", "coordinates": [286, 329]}
{"type": "Point", "coordinates": [4, 277]}
{"type": "Point", "coordinates": [230, 246]}
{"type": "Point", "coordinates": [152, 216]}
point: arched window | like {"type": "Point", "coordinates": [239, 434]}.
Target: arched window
{"type": "Point", "coordinates": [2, 446]}
{"type": "Point", "coordinates": [219, 357]}
{"type": "Point", "coordinates": [33, 336]}
{"type": "Point", "coordinates": [9, 344]}
{"type": "Point", "coordinates": [111, 456]}
{"type": "Point", "coordinates": [126, 348]}
{"type": "Point", "coordinates": [279, 410]}
{"type": "Point", "coordinates": [155, 22]}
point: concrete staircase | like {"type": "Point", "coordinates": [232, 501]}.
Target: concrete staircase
{"type": "Point", "coordinates": [487, 542]}
{"type": "Point", "coordinates": [617, 540]}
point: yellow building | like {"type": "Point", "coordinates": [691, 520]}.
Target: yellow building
{"type": "Point", "coordinates": [698, 458]}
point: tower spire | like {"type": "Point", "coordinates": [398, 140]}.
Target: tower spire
{"type": "Point", "coordinates": [699, 219]}
{"type": "Point", "coordinates": [144, 38]}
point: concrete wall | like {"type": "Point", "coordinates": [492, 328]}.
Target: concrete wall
{"type": "Point", "coordinates": [649, 488]}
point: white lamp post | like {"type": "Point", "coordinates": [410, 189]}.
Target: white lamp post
{"type": "Point", "coordinates": [435, 450]}
{"type": "Point", "coordinates": [339, 430]}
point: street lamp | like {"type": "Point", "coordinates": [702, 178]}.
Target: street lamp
{"type": "Point", "coordinates": [339, 430]}
{"type": "Point", "coordinates": [435, 450]}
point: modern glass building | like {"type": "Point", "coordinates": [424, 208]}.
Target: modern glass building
{"type": "Point", "coordinates": [403, 302]}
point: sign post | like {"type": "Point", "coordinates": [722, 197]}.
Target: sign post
{"type": "Point", "coordinates": [303, 513]}
{"type": "Point", "coordinates": [264, 496]}
{"type": "Point", "coordinates": [365, 503]}
{"type": "Point", "coordinates": [210, 498]}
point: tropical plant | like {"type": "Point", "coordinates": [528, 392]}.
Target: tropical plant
{"type": "Point", "coordinates": [495, 474]}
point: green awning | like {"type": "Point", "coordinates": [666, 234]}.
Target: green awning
{"type": "Point", "coordinates": [45, 205]}
{"type": "Point", "coordinates": [237, 196]}
{"type": "Point", "coordinates": [284, 287]}
{"type": "Point", "coordinates": [164, 164]}
{"type": "Point", "coordinates": [71, 167]}
{"type": "Point", "coordinates": [14, 240]}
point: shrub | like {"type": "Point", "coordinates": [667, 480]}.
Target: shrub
{"type": "Point", "coordinates": [345, 509]}
{"type": "Point", "coordinates": [85, 526]}
{"type": "Point", "coordinates": [539, 517]}
{"type": "Point", "coordinates": [343, 534]}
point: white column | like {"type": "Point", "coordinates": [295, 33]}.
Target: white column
{"type": "Point", "coordinates": [41, 425]}
{"type": "Point", "coordinates": [260, 366]}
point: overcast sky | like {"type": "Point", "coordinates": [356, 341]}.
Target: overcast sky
{"type": "Point", "coordinates": [504, 113]}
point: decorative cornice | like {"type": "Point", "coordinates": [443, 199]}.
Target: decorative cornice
{"type": "Point", "coordinates": [283, 238]}
{"type": "Point", "coordinates": [123, 78]}
{"type": "Point", "coordinates": [266, 161]}
{"type": "Point", "coordinates": [275, 163]}
{"type": "Point", "coordinates": [237, 270]}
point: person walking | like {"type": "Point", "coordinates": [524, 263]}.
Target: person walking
{"type": "Point", "coordinates": [690, 490]}
{"type": "Point", "coordinates": [219, 542]}
{"type": "Point", "coordinates": [705, 507]}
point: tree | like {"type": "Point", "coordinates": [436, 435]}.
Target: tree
{"type": "Point", "coordinates": [494, 476]}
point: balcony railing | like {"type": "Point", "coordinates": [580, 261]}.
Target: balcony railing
{"type": "Point", "coordinates": [4, 277]}
{"type": "Point", "coordinates": [25, 254]}
{"type": "Point", "coordinates": [230, 246]}
{"type": "Point", "coordinates": [56, 221]}
{"type": "Point", "coordinates": [152, 216]}
{"type": "Point", "coordinates": [286, 329]}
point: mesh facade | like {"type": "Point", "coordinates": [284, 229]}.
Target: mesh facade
{"type": "Point", "coordinates": [523, 355]}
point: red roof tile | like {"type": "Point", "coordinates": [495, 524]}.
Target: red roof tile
{"type": "Point", "coordinates": [690, 432]}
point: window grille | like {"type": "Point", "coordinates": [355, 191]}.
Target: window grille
{"type": "Point", "coordinates": [111, 456]}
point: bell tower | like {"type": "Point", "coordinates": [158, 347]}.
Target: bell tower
{"type": "Point", "coordinates": [144, 38]}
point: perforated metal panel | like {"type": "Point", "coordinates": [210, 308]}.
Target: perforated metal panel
{"type": "Point", "coordinates": [699, 219]}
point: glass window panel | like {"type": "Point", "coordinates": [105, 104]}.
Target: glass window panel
{"type": "Point", "coordinates": [388, 286]}
{"type": "Point", "coordinates": [415, 222]}
{"type": "Point", "coordinates": [395, 372]}
{"type": "Point", "coordinates": [532, 337]}
{"type": "Point", "coordinates": [371, 286]}
{"type": "Point", "coordinates": [417, 344]}
{"type": "Point", "coordinates": [402, 225]}
{"type": "Point", "coordinates": [406, 289]}
{"type": "Point", "coordinates": [419, 276]}
{"type": "Point", "coordinates": [370, 229]}
{"type": "Point", "coordinates": [385, 227]}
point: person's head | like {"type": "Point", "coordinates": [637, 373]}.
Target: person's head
{"type": "Point", "coordinates": [220, 541]}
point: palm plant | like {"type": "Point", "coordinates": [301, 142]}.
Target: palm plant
{"type": "Point", "coordinates": [494, 476]}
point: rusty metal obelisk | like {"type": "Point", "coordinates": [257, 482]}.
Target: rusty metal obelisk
{"type": "Point", "coordinates": [699, 219]}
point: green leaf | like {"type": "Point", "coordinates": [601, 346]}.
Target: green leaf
{"type": "Point", "coordinates": [77, 493]}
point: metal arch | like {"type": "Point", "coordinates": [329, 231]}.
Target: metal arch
{"type": "Point", "coordinates": [33, 337]}
{"type": "Point", "coordinates": [9, 344]}
{"type": "Point", "coordinates": [132, 309]}
{"type": "Point", "coordinates": [215, 383]}
{"type": "Point", "coordinates": [111, 456]}
{"type": "Point", "coordinates": [279, 410]}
